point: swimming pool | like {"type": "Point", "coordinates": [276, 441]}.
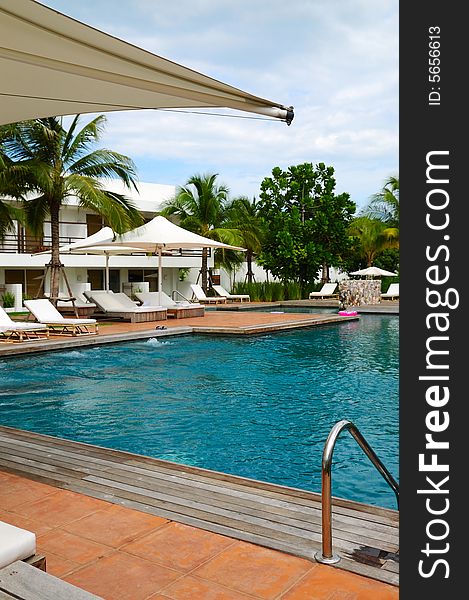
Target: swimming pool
{"type": "Point", "coordinates": [259, 407]}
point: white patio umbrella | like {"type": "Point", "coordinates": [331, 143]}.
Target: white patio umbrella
{"type": "Point", "coordinates": [92, 245]}
{"type": "Point", "coordinates": [159, 235]}
{"type": "Point", "coordinates": [373, 272]}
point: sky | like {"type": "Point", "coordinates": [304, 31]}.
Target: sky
{"type": "Point", "coordinates": [334, 61]}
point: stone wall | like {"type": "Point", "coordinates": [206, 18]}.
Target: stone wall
{"type": "Point", "coordinates": [355, 292]}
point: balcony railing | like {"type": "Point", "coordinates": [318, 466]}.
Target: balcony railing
{"type": "Point", "coordinates": [24, 244]}
{"type": "Point", "coordinates": [27, 244]}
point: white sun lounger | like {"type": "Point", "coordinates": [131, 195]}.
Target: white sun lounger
{"type": "Point", "coordinates": [80, 306]}
{"type": "Point", "coordinates": [121, 306]}
{"type": "Point", "coordinates": [327, 291]}
{"type": "Point", "coordinates": [199, 294]}
{"type": "Point", "coordinates": [45, 312]}
{"type": "Point", "coordinates": [392, 292]}
{"type": "Point", "coordinates": [180, 309]}
{"type": "Point", "coordinates": [220, 290]}
{"type": "Point", "coordinates": [15, 544]}
{"type": "Point", "coordinates": [15, 331]}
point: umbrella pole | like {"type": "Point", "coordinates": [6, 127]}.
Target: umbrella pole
{"type": "Point", "coordinates": [106, 284]}
{"type": "Point", "coordinates": [160, 276]}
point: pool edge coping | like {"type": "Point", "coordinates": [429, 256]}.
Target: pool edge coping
{"type": "Point", "coordinates": [13, 349]}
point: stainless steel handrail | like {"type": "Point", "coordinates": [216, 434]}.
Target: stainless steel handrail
{"type": "Point", "coordinates": [326, 555]}
{"type": "Point", "coordinates": [179, 293]}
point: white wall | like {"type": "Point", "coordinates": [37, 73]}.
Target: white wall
{"type": "Point", "coordinates": [260, 275]}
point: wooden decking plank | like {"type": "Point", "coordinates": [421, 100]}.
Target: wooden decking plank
{"type": "Point", "coordinates": [40, 475]}
{"type": "Point", "coordinates": [81, 447]}
{"type": "Point", "coordinates": [339, 533]}
{"type": "Point", "coordinates": [46, 467]}
{"type": "Point", "coordinates": [188, 472]}
{"type": "Point", "coordinates": [367, 571]}
{"type": "Point", "coordinates": [345, 530]}
{"type": "Point", "coordinates": [392, 566]}
{"type": "Point", "coordinates": [340, 506]}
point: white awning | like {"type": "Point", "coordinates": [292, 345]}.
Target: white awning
{"type": "Point", "coordinates": [53, 65]}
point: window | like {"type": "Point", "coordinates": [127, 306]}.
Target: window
{"type": "Point", "coordinates": [30, 279]}
{"type": "Point", "coordinates": [96, 278]}
{"type": "Point", "coordinates": [139, 275]}
{"type": "Point", "coordinates": [94, 223]}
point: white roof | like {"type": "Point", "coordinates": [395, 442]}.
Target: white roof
{"type": "Point", "coordinates": [150, 198]}
{"type": "Point", "coordinates": [53, 65]}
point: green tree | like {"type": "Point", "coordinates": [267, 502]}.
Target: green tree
{"type": "Point", "coordinates": [200, 207]}
{"type": "Point", "coordinates": [45, 164]}
{"type": "Point", "coordinates": [243, 215]}
{"type": "Point", "coordinates": [385, 204]}
{"type": "Point", "coordinates": [372, 237]}
{"type": "Point", "coordinates": [305, 222]}
{"type": "Point", "coordinates": [7, 219]}
{"type": "Point", "coordinates": [8, 189]}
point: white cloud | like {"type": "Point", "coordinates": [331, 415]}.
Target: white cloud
{"type": "Point", "coordinates": [335, 61]}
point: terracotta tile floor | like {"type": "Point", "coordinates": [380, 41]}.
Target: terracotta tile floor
{"type": "Point", "coordinates": [213, 318]}
{"type": "Point", "coordinates": [123, 554]}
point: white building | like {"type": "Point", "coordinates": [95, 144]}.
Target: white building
{"type": "Point", "coordinates": [22, 271]}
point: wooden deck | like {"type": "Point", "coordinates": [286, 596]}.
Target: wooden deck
{"type": "Point", "coordinates": [277, 517]}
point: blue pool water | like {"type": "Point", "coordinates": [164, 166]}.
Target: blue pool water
{"type": "Point", "coordinates": [259, 407]}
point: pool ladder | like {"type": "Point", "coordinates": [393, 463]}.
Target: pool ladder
{"type": "Point", "coordinates": [326, 555]}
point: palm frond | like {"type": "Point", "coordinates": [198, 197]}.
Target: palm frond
{"type": "Point", "coordinates": [106, 164]}
{"type": "Point", "coordinates": [36, 212]}
{"type": "Point", "coordinates": [90, 133]}
{"type": "Point", "coordinates": [119, 212]}
{"type": "Point", "coordinates": [8, 215]}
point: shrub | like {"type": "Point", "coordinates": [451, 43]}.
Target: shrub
{"type": "Point", "coordinates": [270, 291]}
{"type": "Point", "coordinates": [8, 300]}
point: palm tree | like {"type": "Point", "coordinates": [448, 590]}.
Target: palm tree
{"type": "Point", "coordinates": [199, 206]}
{"type": "Point", "coordinates": [8, 213]}
{"type": "Point", "coordinates": [44, 165]}
{"type": "Point", "coordinates": [243, 215]}
{"type": "Point", "coordinates": [373, 237]}
{"type": "Point", "coordinates": [385, 204]}
{"type": "Point", "coordinates": [7, 219]}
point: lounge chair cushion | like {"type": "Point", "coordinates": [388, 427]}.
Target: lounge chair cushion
{"type": "Point", "coordinates": [392, 291]}
{"type": "Point", "coordinates": [15, 544]}
{"type": "Point", "coordinates": [119, 303]}
{"type": "Point", "coordinates": [327, 289]}
{"type": "Point", "coordinates": [199, 293]}
{"type": "Point", "coordinates": [153, 298]}
{"type": "Point", "coordinates": [220, 290]}
{"type": "Point", "coordinates": [45, 312]}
